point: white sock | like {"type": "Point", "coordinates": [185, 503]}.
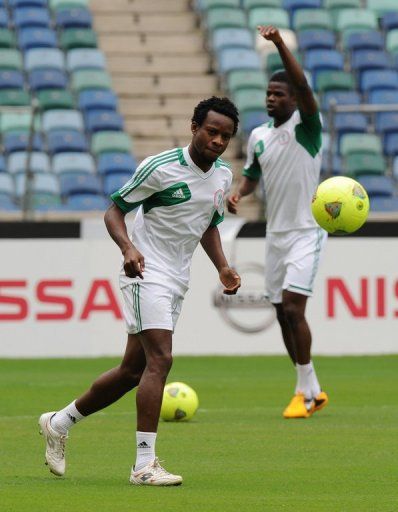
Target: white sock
{"type": "Point", "coordinates": [66, 418]}
{"type": "Point", "coordinates": [145, 449]}
{"type": "Point", "coordinates": [307, 382]}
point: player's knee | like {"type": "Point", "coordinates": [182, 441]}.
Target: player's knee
{"type": "Point", "coordinates": [161, 363]}
{"type": "Point", "coordinates": [292, 312]}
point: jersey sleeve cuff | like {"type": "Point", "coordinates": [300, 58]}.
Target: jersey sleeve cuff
{"type": "Point", "coordinates": [122, 204]}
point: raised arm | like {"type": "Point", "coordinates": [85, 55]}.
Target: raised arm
{"type": "Point", "coordinates": [304, 94]}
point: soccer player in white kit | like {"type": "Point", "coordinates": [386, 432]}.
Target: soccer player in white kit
{"type": "Point", "coordinates": [286, 153]}
{"type": "Point", "coordinates": [180, 199]}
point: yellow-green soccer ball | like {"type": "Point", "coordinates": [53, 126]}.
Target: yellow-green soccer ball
{"type": "Point", "coordinates": [340, 205]}
{"type": "Point", "coordinates": [180, 402]}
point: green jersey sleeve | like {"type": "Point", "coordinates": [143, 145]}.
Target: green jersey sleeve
{"type": "Point", "coordinates": [309, 132]}
{"type": "Point", "coordinates": [255, 148]}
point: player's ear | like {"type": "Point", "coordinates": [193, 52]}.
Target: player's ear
{"type": "Point", "coordinates": [194, 127]}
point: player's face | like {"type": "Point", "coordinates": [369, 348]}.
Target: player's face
{"type": "Point", "coordinates": [280, 102]}
{"type": "Point", "coordinates": [211, 139]}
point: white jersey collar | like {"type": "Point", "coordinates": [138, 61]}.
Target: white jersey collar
{"type": "Point", "coordinates": [194, 167]}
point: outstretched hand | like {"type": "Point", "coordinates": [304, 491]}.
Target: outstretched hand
{"type": "Point", "coordinates": [270, 33]}
{"type": "Point", "coordinates": [230, 279]}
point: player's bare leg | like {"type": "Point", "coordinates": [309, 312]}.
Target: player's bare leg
{"type": "Point", "coordinates": [287, 333]}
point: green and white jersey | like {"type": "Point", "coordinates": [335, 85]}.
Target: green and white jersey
{"type": "Point", "coordinates": [289, 159]}
{"type": "Point", "coordinates": [177, 203]}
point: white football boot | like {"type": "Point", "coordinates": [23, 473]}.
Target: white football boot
{"type": "Point", "coordinates": [154, 474]}
{"type": "Point", "coordinates": [55, 445]}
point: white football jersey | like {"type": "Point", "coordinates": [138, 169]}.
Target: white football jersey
{"type": "Point", "coordinates": [177, 203]}
{"type": "Point", "coordinates": [289, 159]}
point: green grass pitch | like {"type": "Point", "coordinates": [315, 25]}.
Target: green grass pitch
{"type": "Point", "coordinates": [238, 454]}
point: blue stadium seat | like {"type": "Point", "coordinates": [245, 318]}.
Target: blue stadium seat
{"type": "Point", "coordinates": [340, 98]}
{"type": "Point", "coordinates": [350, 123]}
{"type": "Point", "coordinates": [37, 37]}
{"type": "Point", "coordinates": [14, 4]}
{"type": "Point", "coordinates": [6, 185]}
{"type": "Point", "coordinates": [369, 40]}
{"type": "Point", "coordinates": [73, 162]}
{"type": "Point", "coordinates": [7, 204]}
{"type": "Point", "coordinates": [387, 122]}
{"type": "Point", "coordinates": [85, 58]}
{"type": "Point", "coordinates": [384, 204]}
{"type": "Point", "coordinates": [230, 59]}
{"type": "Point", "coordinates": [90, 99]}
{"type": "Point", "coordinates": [378, 79]}
{"type": "Point", "coordinates": [363, 60]}
{"type": "Point", "coordinates": [17, 162]}
{"type": "Point", "coordinates": [62, 119]}
{"type": "Point", "coordinates": [46, 201]}
{"type": "Point", "coordinates": [73, 17]}
{"type": "Point", "coordinates": [47, 79]}
{"type": "Point", "coordinates": [86, 202]}
{"type": "Point", "coordinates": [390, 144]}
{"type": "Point", "coordinates": [11, 79]}
{"type": "Point", "coordinates": [42, 182]}
{"type": "Point", "coordinates": [44, 58]}
{"type": "Point", "coordinates": [2, 164]}
{"type": "Point", "coordinates": [79, 183]}
{"type": "Point", "coordinates": [383, 96]}
{"type": "Point", "coordinates": [18, 141]}
{"type": "Point", "coordinates": [4, 18]}
{"type": "Point", "coordinates": [99, 120]}
{"type": "Point", "coordinates": [231, 38]}
{"type": "Point", "coordinates": [62, 141]}
{"type": "Point", "coordinates": [31, 17]}
{"type": "Point", "coordinates": [337, 165]}
{"type": "Point", "coordinates": [251, 119]}
{"type": "Point", "coordinates": [115, 181]}
{"type": "Point", "coordinates": [316, 39]}
{"type": "Point", "coordinates": [389, 21]}
{"type": "Point", "coordinates": [109, 163]}
{"type": "Point", "coordinates": [377, 185]}
{"type": "Point", "coordinates": [293, 5]}
{"type": "Point", "coordinates": [321, 60]}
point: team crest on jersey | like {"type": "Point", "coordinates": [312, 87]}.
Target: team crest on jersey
{"type": "Point", "coordinates": [283, 137]}
{"type": "Point", "coordinates": [219, 201]}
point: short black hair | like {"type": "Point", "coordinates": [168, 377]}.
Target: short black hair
{"type": "Point", "coordinates": [220, 105]}
{"type": "Point", "coordinates": [280, 75]}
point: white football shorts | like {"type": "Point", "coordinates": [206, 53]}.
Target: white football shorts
{"type": "Point", "coordinates": [150, 306]}
{"type": "Point", "coordinates": [291, 261]}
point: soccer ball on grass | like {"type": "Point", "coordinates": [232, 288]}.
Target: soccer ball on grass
{"type": "Point", "coordinates": [340, 205]}
{"type": "Point", "coordinates": [180, 402]}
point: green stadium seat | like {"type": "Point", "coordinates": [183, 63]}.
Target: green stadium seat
{"type": "Point", "coordinates": [108, 142]}
{"type": "Point", "coordinates": [13, 122]}
{"type": "Point", "coordinates": [14, 98]}
{"type": "Point", "coordinates": [55, 99]}
{"type": "Point", "coordinates": [381, 7]}
{"type": "Point", "coordinates": [10, 59]}
{"type": "Point", "coordinates": [249, 4]}
{"type": "Point", "coordinates": [250, 79]}
{"type": "Point", "coordinates": [7, 38]}
{"type": "Point", "coordinates": [311, 19]}
{"type": "Point", "coordinates": [225, 18]}
{"type": "Point", "coordinates": [90, 79]}
{"type": "Point", "coordinates": [248, 100]}
{"type": "Point", "coordinates": [78, 38]}
{"type": "Point", "coordinates": [355, 20]}
{"type": "Point", "coordinates": [274, 61]}
{"type": "Point", "coordinates": [206, 5]}
{"type": "Point", "coordinates": [392, 41]}
{"type": "Point", "coordinates": [268, 16]}
{"type": "Point", "coordinates": [360, 143]}
{"type": "Point", "coordinates": [331, 5]}
{"type": "Point", "coordinates": [43, 201]}
{"type": "Point", "coordinates": [334, 81]}
{"type": "Point", "coordinates": [65, 4]}
{"type": "Point", "coordinates": [356, 164]}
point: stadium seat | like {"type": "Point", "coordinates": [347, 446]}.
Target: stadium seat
{"type": "Point", "coordinates": [357, 164]}
{"type": "Point", "coordinates": [249, 4]}
{"type": "Point", "coordinates": [363, 60]}
{"type": "Point", "coordinates": [21, 121]}
{"type": "Point", "coordinates": [44, 58]}
{"type": "Point", "coordinates": [11, 79]}
{"type": "Point", "coordinates": [17, 162]}
{"type": "Point", "coordinates": [390, 144]}
{"type": "Point", "coordinates": [2, 164]}
{"type": "Point", "coordinates": [7, 38]}
{"type": "Point", "coordinates": [100, 120]}
{"type": "Point", "coordinates": [55, 99]}
{"type": "Point", "coordinates": [250, 100]}
{"type": "Point", "coordinates": [381, 7]}
{"type": "Point", "coordinates": [387, 122]}
{"type": "Point", "coordinates": [7, 204]}
{"type": "Point", "coordinates": [73, 162]}
{"type": "Point", "coordinates": [44, 201]}
{"type": "Point", "coordinates": [392, 41]}
{"type": "Point", "coordinates": [232, 59]}
{"type": "Point", "coordinates": [361, 143]}
{"type": "Point", "coordinates": [333, 167]}
{"type": "Point", "coordinates": [350, 123]}
{"type": "Point", "coordinates": [86, 202]}
{"type": "Point", "coordinates": [252, 119]}
{"type": "Point", "coordinates": [341, 4]}
{"type": "Point", "coordinates": [293, 5]}
{"type": "Point", "coordinates": [245, 79]}
{"type": "Point", "coordinates": [389, 21]}
{"type": "Point", "coordinates": [85, 58]}
{"type": "Point", "coordinates": [378, 79]}
{"type": "Point", "coordinates": [367, 40]}
{"type": "Point", "coordinates": [6, 185]}
{"type": "Point", "coordinates": [4, 18]}
{"type": "Point", "coordinates": [205, 5]}
{"type": "Point", "coordinates": [383, 204]}
{"type": "Point", "coordinates": [75, 17]}
{"type": "Point", "coordinates": [383, 96]}
{"type": "Point", "coordinates": [78, 38]}
{"type": "Point", "coordinates": [109, 163]}
{"type": "Point", "coordinates": [62, 120]}
{"type": "Point", "coordinates": [274, 61]}
{"type": "Point", "coordinates": [334, 81]}
{"type": "Point", "coordinates": [19, 141]}
{"type": "Point", "coordinates": [10, 59]}
{"type": "Point", "coordinates": [47, 79]}
{"type": "Point", "coordinates": [380, 186]}
{"type": "Point", "coordinates": [311, 19]}
{"type": "Point", "coordinates": [79, 183]}
{"type": "Point", "coordinates": [268, 16]}
{"type": "Point", "coordinates": [62, 4]}
{"type": "Point", "coordinates": [316, 39]}
{"type": "Point", "coordinates": [90, 99]}
{"type": "Point", "coordinates": [109, 142]}
{"type": "Point", "coordinates": [62, 141]}
{"type": "Point", "coordinates": [115, 181]}
{"type": "Point", "coordinates": [355, 20]}
{"type": "Point", "coordinates": [42, 182]}
{"type": "Point", "coordinates": [14, 4]}
{"type": "Point", "coordinates": [91, 79]}
{"type": "Point", "coordinates": [37, 37]}
{"type": "Point", "coordinates": [323, 60]}
{"type": "Point", "coordinates": [225, 18]}
{"type": "Point", "coordinates": [340, 98]}
{"type": "Point", "coordinates": [31, 17]}
{"type": "Point", "coordinates": [231, 38]}
{"type": "Point", "coordinates": [14, 97]}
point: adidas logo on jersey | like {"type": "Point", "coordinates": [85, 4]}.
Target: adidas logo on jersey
{"type": "Point", "coordinates": [178, 193]}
